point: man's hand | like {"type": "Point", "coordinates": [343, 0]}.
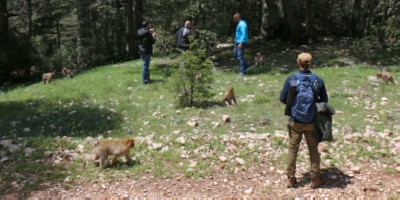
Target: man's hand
{"type": "Point", "coordinates": [240, 46]}
{"type": "Point", "coordinates": [152, 32]}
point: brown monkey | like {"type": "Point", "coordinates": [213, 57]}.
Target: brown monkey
{"type": "Point", "coordinates": [49, 77]}
{"type": "Point", "coordinates": [229, 97]}
{"type": "Point", "coordinates": [112, 149]}
{"type": "Point", "coordinates": [386, 76]}
{"type": "Point", "coordinates": [67, 73]}
{"type": "Point", "coordinates": [258, 59]}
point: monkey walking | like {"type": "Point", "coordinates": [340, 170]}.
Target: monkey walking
{"type": "Point", "coordinates": [229, 97]}
{"type": "Point", "coordinates": [386, 76]}
{"type": "Point", "coordinates": [67, 73]}
{"type": "Point", "coordinates": [258, 59]}
{"type": "Point", "coordinates": [112, 149]}
{"type": "Point", "coordinates": [49, 77]}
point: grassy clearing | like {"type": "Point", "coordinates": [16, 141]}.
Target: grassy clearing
{"type": "Point", "coordinates": [110, 101]}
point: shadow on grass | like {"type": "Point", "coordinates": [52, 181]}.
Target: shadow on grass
{"type": "Point", "coordinates": [166, 67]}
{"type": "Point", "coordinates": [334, 178]}
{"type": "Point", "coordinates": [158, 81]}
{"type": "Point", "coordinates": [120, 165]}
{"type": "Point", "coordinates": [37, 123]}
{"type": "Point", "coordinates": [44, 118]}
{"type": "Point", "coordinates": [22, 175]}
{"type": "Point", "coordinates": [256, 70]}
{"type": "Point", "coordinates": [203, 104]}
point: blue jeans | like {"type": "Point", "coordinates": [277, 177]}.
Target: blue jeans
{"type": "Point", "coordinates": [239, 54]}
{"type": "Point", "coordinates": [146, 71]}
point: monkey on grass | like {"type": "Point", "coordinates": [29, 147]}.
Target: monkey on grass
{"type": "Point", "coordinates": [112, 149]}
{"type": "Point", "coordinates": [67, 73]}
{"type": "Point", "coordinates": [385, 76]}
{"type": "Point", "coordinates": [49, 77]}
{"type": "Point", "coordinates": [229, 97]}
{"type": "Point", "coordinates": [258, 59]}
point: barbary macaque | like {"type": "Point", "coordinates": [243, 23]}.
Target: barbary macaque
{"type": "Point", "coordinates": [112, 149]}
{"type": "Point", "coordinates": [49, 77]}
{"type": "Point", "coordinates": [258, 59]}
{"type": "Point", "coordinates": [386, 76]}
{"type": "Point", "coordinates": [67, 73]}
{"type": "Point", "coordinates": [229, 97]}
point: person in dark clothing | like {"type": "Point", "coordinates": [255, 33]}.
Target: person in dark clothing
{"type": "Point", "coordinates": [147, 37]}
{"type": "Point", "coordinates": [182, 36]}
{"type": "Point", "coordinates": [301, 91]}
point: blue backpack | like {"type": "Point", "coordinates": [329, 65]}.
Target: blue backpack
{"type": "Point", "coordinates": [304, 108]}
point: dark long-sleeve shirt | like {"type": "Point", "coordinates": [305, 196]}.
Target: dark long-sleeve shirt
{"type": "Point", "coordinates": [146, 41]}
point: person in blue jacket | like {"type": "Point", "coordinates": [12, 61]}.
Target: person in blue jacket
{"type": "Point", "coordinates": [300, 93]}
{"type": "Point", "coordinates": [241, 40]}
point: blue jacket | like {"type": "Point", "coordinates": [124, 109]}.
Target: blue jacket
{"type": "Point", "coordinates": [319, 90]}
{"type": "Point", "coordinates": [241, 35]}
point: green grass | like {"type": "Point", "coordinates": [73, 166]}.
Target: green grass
{"type": "Point", "coordinates": [111, 101]}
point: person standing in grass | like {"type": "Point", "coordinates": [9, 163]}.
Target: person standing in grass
{"type": "Point", "coordinates": [241, 40]}
{"type": "Point", "coordinates": [147, 37]}
{"type": "Point", "coordinates": [300, 93]}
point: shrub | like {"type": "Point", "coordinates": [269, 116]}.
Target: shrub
{"type": "Point", "coordinates": [165, 43]}
{"type": "Point", "coordinates": [65, 56]}
{"type": "Point", "coordinates": [208, 38]}
{"type": "Point", "coordinates": [194, 76]}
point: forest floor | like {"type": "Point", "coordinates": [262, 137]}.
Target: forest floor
{"type": "Point", "coordinates": [47, 130]}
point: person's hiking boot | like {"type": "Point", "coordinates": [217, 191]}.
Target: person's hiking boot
{"type": "Point", "coordinates": [316, 183]}
{"type": "Point", "coordinates": [291, 183]}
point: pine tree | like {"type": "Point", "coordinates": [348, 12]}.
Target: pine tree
{"type": "Point", "coordinates": [194, 76]}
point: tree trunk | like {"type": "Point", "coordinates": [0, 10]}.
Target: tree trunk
{"type": "Point", "coordinates": [130, 35]}
{"type": "Point", "coordinates": [292, 30]}
{"type": "Point", "coordinates": [29, 16]}
{"type": "Point", "coordinates": [120, 31]}
{"type": "Point", "coordinates": [264, 19]}
{"type": "Point", "coordinates": [356, 29]}
{"type": "Point", "coordinates": [83, 42]}
{"type": "Point", "coordinates": [138, 9]}
{"type": "Point", "coordinates": [138, 12]}
{"type": "Point", "coordinates": [58, 34]}
{"type": "Point", "coordinates": [3, 16]}
{"type": "Point", "coordinates": [310, 24]}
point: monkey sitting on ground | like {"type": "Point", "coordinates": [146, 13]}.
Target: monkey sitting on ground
{"type": "Point", "coordinates": [386, 76]}
{"type": "Point", "coordinates": [229, 97]}
{"type": "Point", "coordinates": [258, 59]}
{"type": "Point", "coordinates": [112, 149]}
{"type": "Point", "coordinates": [67, 73]}
{"type": "Point", "coordinates": [49, 77]}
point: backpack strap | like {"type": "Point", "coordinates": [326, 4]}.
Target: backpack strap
{"type": "Point", "coordinates": [313, 79]}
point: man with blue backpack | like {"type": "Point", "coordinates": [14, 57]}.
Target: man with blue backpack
{"type": "Point", "coordinates": [300, 93]}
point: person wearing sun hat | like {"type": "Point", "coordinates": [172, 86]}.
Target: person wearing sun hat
{"type": "Point", "coordinates": [300, 93]}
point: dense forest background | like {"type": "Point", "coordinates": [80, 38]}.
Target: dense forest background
{"type": "Point", "coordinates": [43, 35]}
